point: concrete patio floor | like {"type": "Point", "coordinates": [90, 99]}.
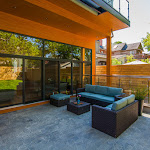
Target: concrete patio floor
{"type": "Point", "coordinates": [47, 127]}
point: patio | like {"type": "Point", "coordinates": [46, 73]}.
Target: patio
{"type": "Point", "coordinates": [47, 127]}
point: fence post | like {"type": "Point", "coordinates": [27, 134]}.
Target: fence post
{"type": "Point", "coordinates": [119, 82]}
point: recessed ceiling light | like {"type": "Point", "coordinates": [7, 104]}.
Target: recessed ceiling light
{"type": "Point", "coordinates": [14, 7]}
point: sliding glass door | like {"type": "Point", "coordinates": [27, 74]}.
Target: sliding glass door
{"type": "Point", "coordinates": [33, 80]}
{"type": "Point", "coordinates": [11, 81]}
{"type": "Point", "coordinates": [51, 78]}
{"type": "Point", "coordinates": [65, 78]}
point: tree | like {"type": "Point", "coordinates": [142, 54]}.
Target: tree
{"type": "Point", "coordinates": [115, 61]}
{"type": "Point", "coordinates": [117, 42]}
{"type": "Point", "coordinates": [145, 60]}
{"type": "Point", "coordinates": [130, 58]}
{"type": "Point", "coordinates": [146, 41]}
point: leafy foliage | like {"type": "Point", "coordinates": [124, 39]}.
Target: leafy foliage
{"type": "Point", "coordinates": [145, 60]}
{"type": "Point", "coordinates": [117, 42]}
{"type": "Point", "coordinates": [115, 61]}
{"type": "Point", "coordinates": [140, 93]}
{"type": "Point", "coordinates": [130, 58]}
{"type": "Point", "coordinates": [146, 41]}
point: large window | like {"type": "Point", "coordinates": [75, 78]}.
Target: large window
{"type": "Point", "coordinates": [10, 81]}
{"type": "Point", "coordinates": [76, 53]}
{"type": "Point", "coordinates": [20, 45]}
{"type": "Point", "coordinates": [86, 73]}
{"type": "Point", "coordinates": [77, 76]}
{"type": "Point", "coordinates": [51, 78]}
{"type": "Point", "coordinates": [37, 68]}
{"type": "Point", "coordinates": [33, 88]}
{"type": "Point", "coordinates": [57, 50]}
{"type": "Point", "coordinates": [88, 54]}
{"type": "Point", "coordinates": [65, 77]}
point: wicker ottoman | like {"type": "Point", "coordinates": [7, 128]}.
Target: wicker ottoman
{"type": "Point", "coordinates": [59, 99]}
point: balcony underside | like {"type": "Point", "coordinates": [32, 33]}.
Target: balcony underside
{"type": "Point", "coordinates": [63, 15]}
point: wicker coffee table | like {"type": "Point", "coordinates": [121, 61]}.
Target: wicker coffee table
{"type": "Point", "coordinates": [78, 109]}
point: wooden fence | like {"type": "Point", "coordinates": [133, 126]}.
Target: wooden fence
{"type": "Point", "coordinates": [141, 70]}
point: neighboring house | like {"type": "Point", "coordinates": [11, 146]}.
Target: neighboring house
{"type": "Point", "coordinates": [127, 49]}
{"type": "Point", "coordinates": [120, 51]}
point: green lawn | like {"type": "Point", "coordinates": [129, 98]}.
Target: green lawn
{"type": "Point", "coordinates": [9, 84]}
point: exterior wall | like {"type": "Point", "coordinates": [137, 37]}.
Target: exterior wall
{"type": "Point", "coordinates": [127, 52]}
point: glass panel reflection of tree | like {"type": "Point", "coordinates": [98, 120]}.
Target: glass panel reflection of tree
{"type": "Point", "coordinates": [10, 81]}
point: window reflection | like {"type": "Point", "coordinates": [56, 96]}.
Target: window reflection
{"type": "Point", "coordinates": [86, 73]}
{"type": "Point", "coordinates": [33, 89]}
{"type": "Point", "coordinates": [20, 45]}
{"type": "Point", "coordinates": [57, 50]}
{"type": "Point", "coordinates": [51, 78]}
{"type": "Point", "coordinates": [88, 54]}
{"type": "Point", "coordinates": [65, 77]}
{"type": "Point", "coordinates": [77, 76]}
{"type": "Point", "coordinates": [10, 81]}
{"type": "Point", "coordinates": [76, 53]}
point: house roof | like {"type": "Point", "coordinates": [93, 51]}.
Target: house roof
{"type": "Point", "coordinates": [136, 62]}
{"type": "Point", "coordinates": [124, 46]}
{"type": "Point", "coordinates": [118, 47]}
{"type": "Point", "coordinates": [133, 46]}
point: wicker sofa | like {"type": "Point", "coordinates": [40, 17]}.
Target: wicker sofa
{"type": "Point", "coordinates": [115, 118]}
{"type": "Point", "coordinates": [99, 95]}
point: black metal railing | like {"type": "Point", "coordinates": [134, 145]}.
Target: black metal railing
{"type": "Point", "coordinates": [127, 82]}
{"type": "Point", "coordinates": [122, 6]}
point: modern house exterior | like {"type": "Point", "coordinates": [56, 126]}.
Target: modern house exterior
{"type": "Point", "coordinates": [48, 46]}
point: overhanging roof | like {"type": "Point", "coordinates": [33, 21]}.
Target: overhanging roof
{"type": "Point", "coordinates": [63, 15]}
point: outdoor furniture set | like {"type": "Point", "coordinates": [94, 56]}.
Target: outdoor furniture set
{"type": "Point", "coordinates": [112, 112]}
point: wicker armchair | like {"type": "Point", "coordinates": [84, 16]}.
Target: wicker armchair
{"type": "Point", "coordinates": [114, 122]}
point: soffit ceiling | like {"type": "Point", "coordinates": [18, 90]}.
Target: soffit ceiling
{"type": "Point", "coordinates": [64, 15]}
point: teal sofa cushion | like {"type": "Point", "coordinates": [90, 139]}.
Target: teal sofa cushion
{"type": "Point", "coordinates": [98, 97]}
{"type": "Point", "coordinates": [101, 90]}
{"type": "Point", "coordinates": [90, 95]}
{"type": "Point", "coordinates": [114, 91]}
{"type": "Point", "coordinates": [119, 104]}
{"type": "Point", "coordinates": [59, 96]}
{"type": "Point", "coordinates": [90, 88]}
{"type": "Point", "coordinates": [130, 99]}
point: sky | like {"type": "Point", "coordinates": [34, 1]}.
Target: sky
{"type": "Point", "coordinates": [139, 23]}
